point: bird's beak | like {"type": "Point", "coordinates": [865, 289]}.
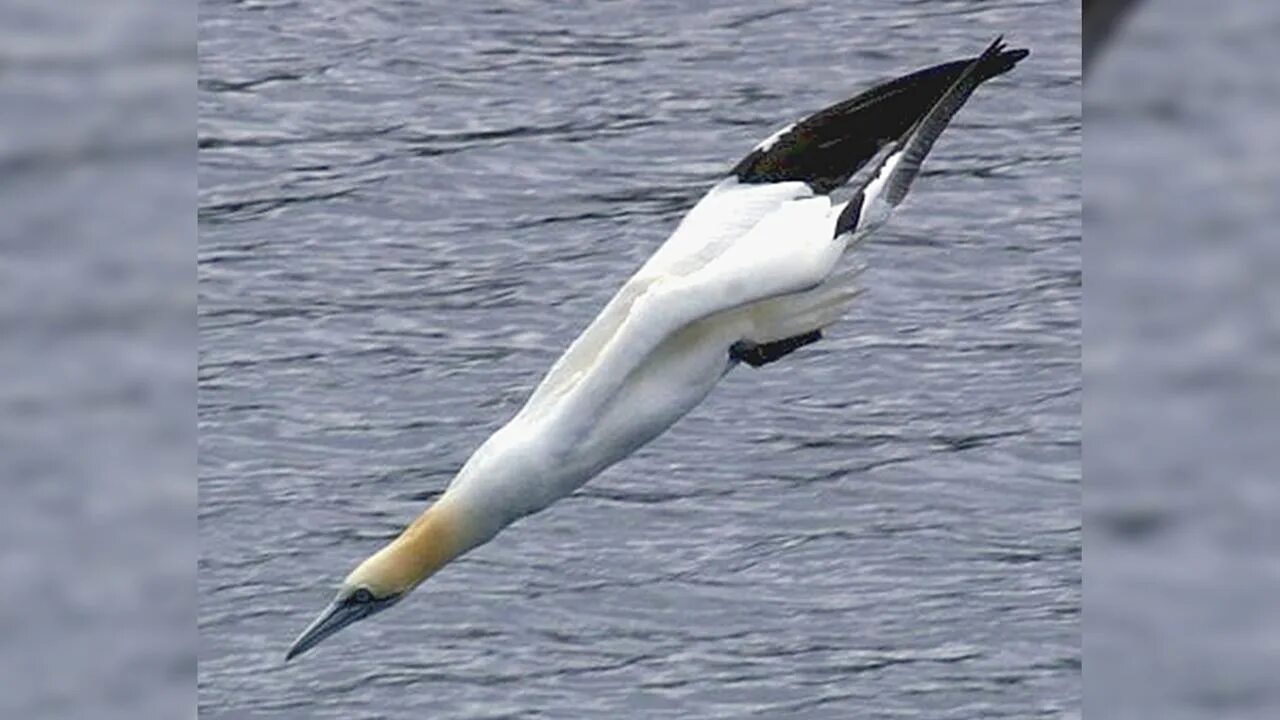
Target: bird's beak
{"type": "Point", "coordinates": [334, 617]}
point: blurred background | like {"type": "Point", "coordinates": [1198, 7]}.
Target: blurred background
{"type": "Point", "coordinates": [97, 355]}
{"type": "Point", "coordinates": [1182, 363]}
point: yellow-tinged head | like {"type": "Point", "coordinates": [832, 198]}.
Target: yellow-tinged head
{"type": "Point", "coordinates": [383, 579]}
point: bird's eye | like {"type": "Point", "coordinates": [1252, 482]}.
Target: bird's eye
{"type": "Point", "coordinates": [362, 596]}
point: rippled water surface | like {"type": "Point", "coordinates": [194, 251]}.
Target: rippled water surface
{"type": "Point", "coordinates": [407, 210]}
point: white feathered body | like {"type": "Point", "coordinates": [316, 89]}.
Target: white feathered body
{"type": "Point", "coordinates": [748, 276]}
{"type": "Point", "coordinates": [748, 262]}
{"type": "Point", "coordinates": [752, 262]}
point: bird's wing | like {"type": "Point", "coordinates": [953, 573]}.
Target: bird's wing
{"type": "Point", "coordinates": [766, 229]}
{"type": "Point", "coordinates": [888, 186]}
{"type": "Point", "coordinates": [792, 249]}
{"type": "Point", "coordinates": [818, 154]}
{"type": "Point", "coordinates": [726, 213]}
{"type": "Point", "coordinates": [720, 219]}
{"type": "Point", "coordinates": [827, 148]}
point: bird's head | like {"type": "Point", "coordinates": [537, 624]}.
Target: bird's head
{"type": "Point", "coordinates": [388, 575]}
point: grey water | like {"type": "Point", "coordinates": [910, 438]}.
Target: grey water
{"type": "Point", "coordinates": [407, 210]}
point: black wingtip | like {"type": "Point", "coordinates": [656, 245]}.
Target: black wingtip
{"type": "Point", "coordinates": [825, 149]}
{"type": "Point", "coordinates": [996, 60]}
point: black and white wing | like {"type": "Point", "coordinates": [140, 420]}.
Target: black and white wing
{"type": "Point", "coordinates": [770, 229]}
{"type": "Point", "coordinates": [875, 200]}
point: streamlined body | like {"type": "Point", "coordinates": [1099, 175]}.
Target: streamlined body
{"type": "Point", "coordinates": [751, 275]}
{"type": "Point", "coordinates": [660, 346]}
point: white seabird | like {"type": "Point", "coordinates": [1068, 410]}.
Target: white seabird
{"type": "Point", "coordinates": [749, 275]}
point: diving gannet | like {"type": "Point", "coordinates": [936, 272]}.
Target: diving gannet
{"type": "Point", "coordinates": [748, 276]}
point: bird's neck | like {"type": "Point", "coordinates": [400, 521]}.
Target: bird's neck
{"type": "Point", "coordinates": [497, 485]}
{"type": "Point", "coordinates": [431, 541]}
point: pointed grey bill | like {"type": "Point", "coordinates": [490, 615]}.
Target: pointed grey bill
{"type": "Point", "coordinates": [349, 606]}
{"type": "Point", "coordinates": [336, 616]}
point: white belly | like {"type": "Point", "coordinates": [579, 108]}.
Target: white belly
{"type": "Point", "coordinates": [672, 382]}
